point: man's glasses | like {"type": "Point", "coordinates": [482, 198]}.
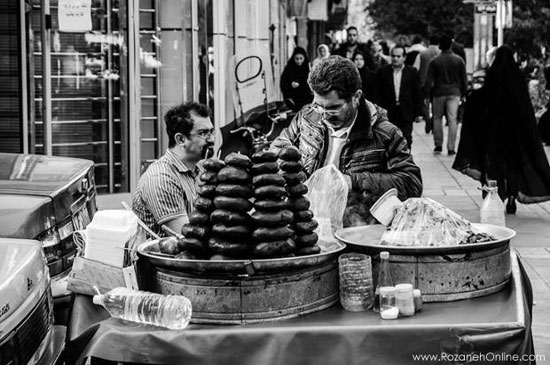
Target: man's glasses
{"type": "Point", "coordinates": [204, 133]}
{"type": "Point", "coordinates": [328, 112]}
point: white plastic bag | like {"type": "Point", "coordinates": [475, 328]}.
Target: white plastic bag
{"type": "Point", "coordinates": [328, 194]}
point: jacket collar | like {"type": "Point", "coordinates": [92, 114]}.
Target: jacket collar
{"type": "Point", "coordinates": [366, 116]}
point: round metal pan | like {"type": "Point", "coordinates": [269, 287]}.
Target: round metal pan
{"type": "Point", "coordinates": [369, 237]}
{"type": "Point", "coordinates": [329, 250]}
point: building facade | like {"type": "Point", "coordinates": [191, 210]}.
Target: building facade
{"type": "Point", "coordinates": [93, 78]}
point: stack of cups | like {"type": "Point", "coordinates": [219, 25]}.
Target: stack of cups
{"type": "Point", "coordinates": [356, 287]}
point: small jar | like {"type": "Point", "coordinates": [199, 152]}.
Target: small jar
{"type": "Point", "coordinates": [404, 299]}
{"type": "Point", "coordinates": [388, 308]}
{"type": "Point", "coordinates": [418, 303]}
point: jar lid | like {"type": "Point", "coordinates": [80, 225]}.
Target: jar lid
{"type": "Point", "coordinates": [403, 287]}
{"type": "Point", "coordinates": [384, 255]}
{"type": "Point", "coordinates": [386, 290]}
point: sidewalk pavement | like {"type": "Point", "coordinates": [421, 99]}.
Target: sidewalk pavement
{"type": "Point", "coordinates": [459, 193]}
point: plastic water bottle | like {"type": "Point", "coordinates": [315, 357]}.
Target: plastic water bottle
{"type": "Point", "coordinates": [170, 311]}
{"type": "Point", "coordinates": [492, 208]}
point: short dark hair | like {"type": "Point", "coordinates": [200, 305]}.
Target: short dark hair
{"type": "Point", "coordinates": [398, 46]}
{"type": "Point", "coordinates": [178, 119]}
{"type": "Point", "coordinates": [335, 73]}
{"type": "Point", "coordinates": [352, 27]}
{"type": "Point", "coordinates": [417, 38]}
{"type": "Point", "coordinates": [445, 42]}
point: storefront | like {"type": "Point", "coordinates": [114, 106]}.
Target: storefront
{"type": "Point", "coordinates": [92, 79]}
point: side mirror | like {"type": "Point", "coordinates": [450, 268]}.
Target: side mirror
{"type": "Point", "coordinates": [248, 68]}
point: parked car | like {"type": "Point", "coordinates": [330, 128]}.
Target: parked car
{"type": "Point", "coordinates": [27, 332]}
{"type": "Point", "coordinates": [47, 198]}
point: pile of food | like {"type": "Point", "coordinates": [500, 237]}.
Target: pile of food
{"type": "Point", "coordinates": [250, 209]}
{"type": "Point", "coordinates": [425, 222]}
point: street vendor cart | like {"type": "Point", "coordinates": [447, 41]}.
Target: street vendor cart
{"type": "Point", "coordinates": [495, 325]}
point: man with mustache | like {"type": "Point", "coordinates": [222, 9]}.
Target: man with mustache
{"type": "Point", "coordinates": [342, 128]}
{"type": "Point", "coordinates": [167, 190]}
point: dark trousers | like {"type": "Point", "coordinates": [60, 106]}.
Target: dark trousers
{"type": "Point", "coordinates": [406, 127]}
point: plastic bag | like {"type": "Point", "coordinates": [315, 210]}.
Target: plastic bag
{"type": "Point", "coordinates": [425, 222]}
{"type": "Point", "coordinates": [328, 194]}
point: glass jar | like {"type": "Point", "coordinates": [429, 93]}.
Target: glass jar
{"type": "Point", "coordinates": [404, 298]}
{"type": "Point", "coordinates": [356, 286]}
{"type": "Point", "coordinates": [388, 307]}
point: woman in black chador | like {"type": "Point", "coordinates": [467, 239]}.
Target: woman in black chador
{"type": "Point", "coordinates": [368, 76]}
{"type": "Point", "coordinates": [499, 138]}
{"type": "Point", "coordinates": [294, 79]}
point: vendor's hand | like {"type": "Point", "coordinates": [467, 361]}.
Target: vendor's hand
{"type": "Point", "coordinates": [295, 84]}
{"type": "Point", "coordinates": [348, 181]}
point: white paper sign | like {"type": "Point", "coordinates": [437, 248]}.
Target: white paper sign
{"type": "Point", "coordinates": [75, 16]}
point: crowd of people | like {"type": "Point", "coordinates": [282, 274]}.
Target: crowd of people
{"type": "Point", "coordinates": [356, 105]}
{"type": "Point", "coordinates": [403, 80]}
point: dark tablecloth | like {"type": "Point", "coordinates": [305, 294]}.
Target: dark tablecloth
{"type": "Point", "coordinates": [494, 325]}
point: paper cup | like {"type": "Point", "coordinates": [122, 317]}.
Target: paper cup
{"type": "Point", "coordinates": [384, 209]}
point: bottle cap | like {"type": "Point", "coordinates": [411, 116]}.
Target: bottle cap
{"type": "Point", "coordinates": [384, 255]}
{"type": "Point", "coordinates": [417, 293]}
{"type": "Point", "coordinates": [97, 300]}
{"type": "Point", "coordinates": [403, 287]}
{"type": "Point", "coordinates": [386, 290]}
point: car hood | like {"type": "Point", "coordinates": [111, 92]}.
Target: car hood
{"type": "Point", "coordinates": [25, 216]}
{"type": "Point", "coordinates": [37, 174]}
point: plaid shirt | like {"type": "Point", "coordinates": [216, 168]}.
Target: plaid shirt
{"type": "Point", "coordinates": [167, 190]}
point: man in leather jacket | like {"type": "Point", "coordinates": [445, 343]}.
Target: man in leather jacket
{"type": "Point", "coordinates": [343, 128]}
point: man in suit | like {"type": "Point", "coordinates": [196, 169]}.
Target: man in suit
{"type": "Point", "coordinates": [398, 91]}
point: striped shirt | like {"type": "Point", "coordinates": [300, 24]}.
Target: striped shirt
{"type": "Point", "coordinates": [167, 190]}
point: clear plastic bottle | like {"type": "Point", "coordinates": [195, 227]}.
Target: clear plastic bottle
{"type": "Point", "coordinates": [384, 278]}
{"type": "Point", "coordinates": [492, 208]}
{"type": "Point", "coordinates": [170, 311]}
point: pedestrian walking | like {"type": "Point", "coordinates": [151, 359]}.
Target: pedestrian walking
{"type": "Point", "coordinates": [323, 51]}
{"type": "Point", "coordinates": [398, 91]}
{"type": "Point", "coordinates": [447, 84]}
{"type": "Point", "coordinates": [368, 77]}
{"type": "Point", "coordinates": [426, 57]}
{"type": "Point", "coordinates": [380, 59]}
{"type": "Point", "coordinates": [499, 139]}
{"type": "Point", "coordinates": [544, 121]}
{"type": "Point", "coordinates": [413, 53]}
{"type": "Point", "coordinates": [294, 79]}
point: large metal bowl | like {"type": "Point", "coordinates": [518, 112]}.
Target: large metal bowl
{"type": "Point", "coordinates": [442, 273]}
{"type": "Point", "coordinates": [362, 237]}
{"type": "Point", "coordinates": [329, 250]}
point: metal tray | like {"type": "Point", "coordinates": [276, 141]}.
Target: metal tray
{"type": "Point", "coordinates": [329, 251]}
{"type": "Point", "coordinates": [369, 237]}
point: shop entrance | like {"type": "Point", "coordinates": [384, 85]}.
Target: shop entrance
{"type": "Point", "coordinates": [102, 86]}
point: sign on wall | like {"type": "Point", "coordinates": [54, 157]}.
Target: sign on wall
{"type": "Point", "coordinates": [75, 16]}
